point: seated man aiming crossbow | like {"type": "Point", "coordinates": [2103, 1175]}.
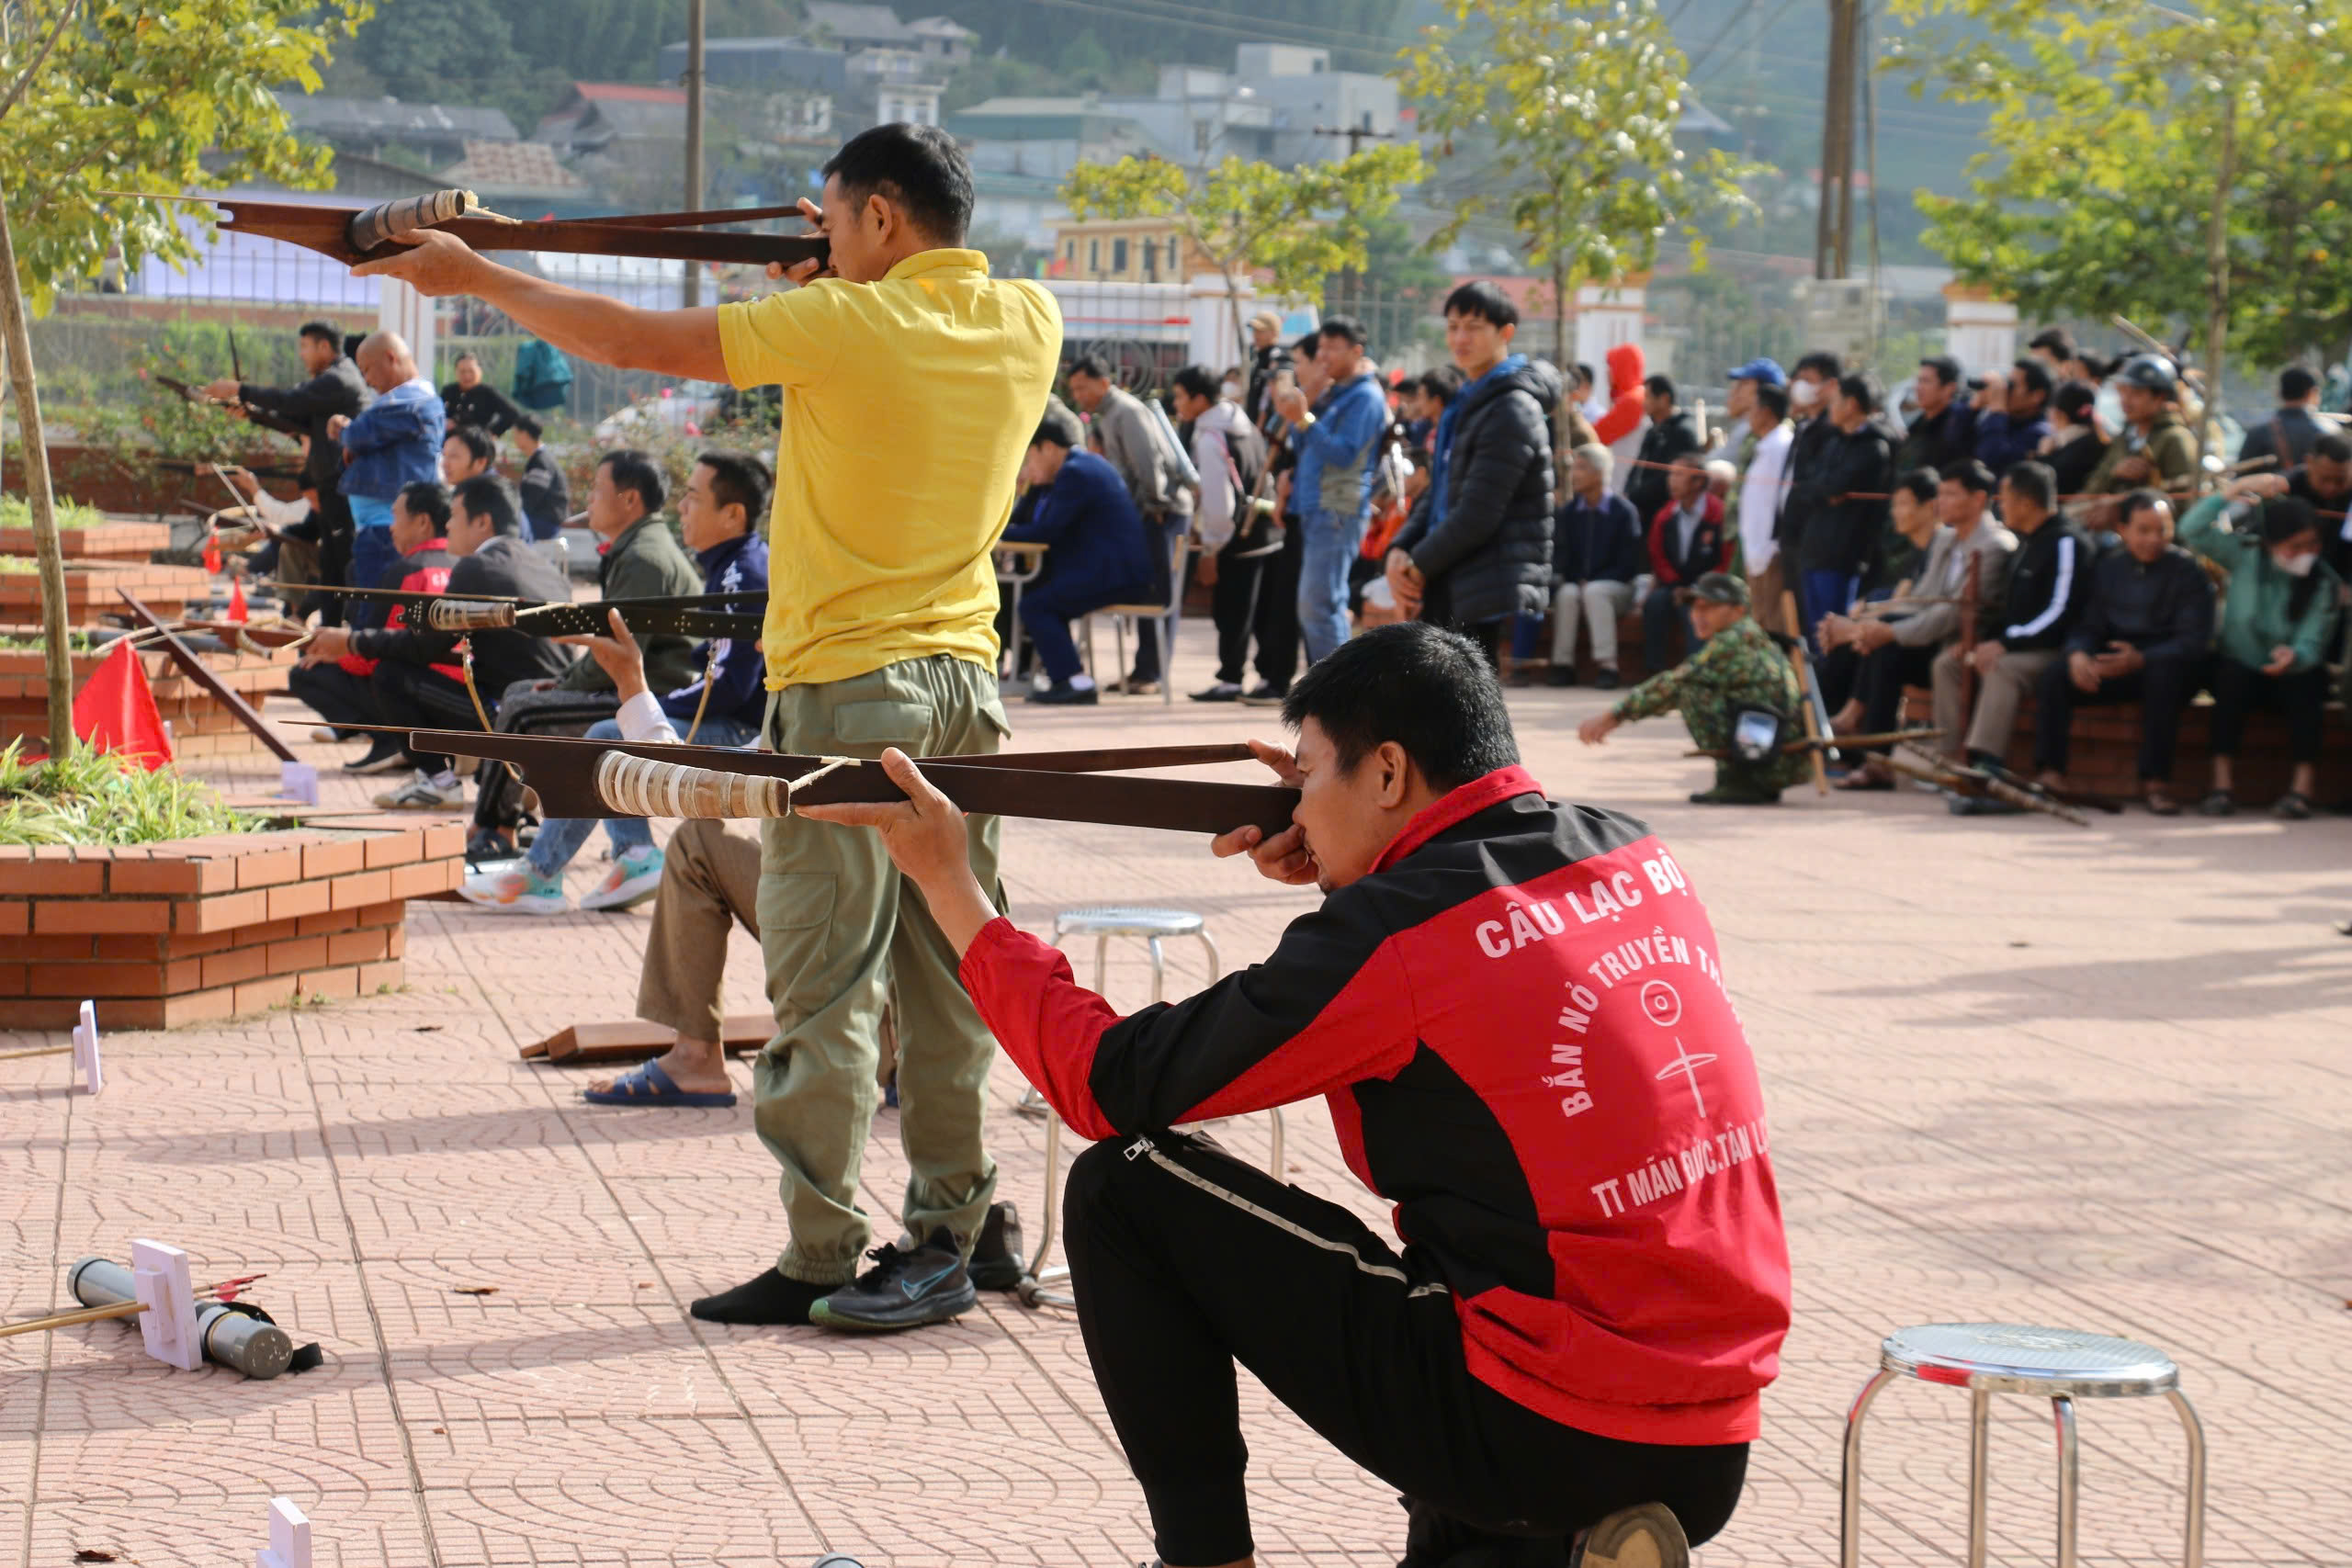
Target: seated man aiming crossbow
{"type": "Point", "coordinates": [1514, 1007]}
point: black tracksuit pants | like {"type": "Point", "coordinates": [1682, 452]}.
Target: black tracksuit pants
{"type": "Point", "coordinates": [1185, 1261]}
{"type": "Point", "coordinates": [2239, 690]}
{"type": "Point", "coordinates": [2162, 687]}
{"type": "Point", "coordinates": [1257, 596]}
{"type": "Point", "coordinates": [421, 698]}
{"type": "Point", "coordinates": [1884, 672]}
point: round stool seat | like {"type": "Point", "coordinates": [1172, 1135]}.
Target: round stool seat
{"type": "Point", "coordinates": [2011, 1358]}
{"type": "Point", "coordinates": [1127, 920]}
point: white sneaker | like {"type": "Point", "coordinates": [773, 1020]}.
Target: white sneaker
{"type": "Point", "coordinates": [424, 793]}
{"type": "Point", "coordinates": [635, 877]}
{"type": "Point", "coordinates": [518, 892]}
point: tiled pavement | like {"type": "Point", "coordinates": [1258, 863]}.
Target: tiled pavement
{"type": "Point", "coordinates": [2016, 1070]}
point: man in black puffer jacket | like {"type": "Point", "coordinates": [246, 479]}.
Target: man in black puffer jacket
{"type": "Point", "coordinates": [1477, 548]}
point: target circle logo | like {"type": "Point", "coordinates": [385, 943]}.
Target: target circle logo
{"type": "Point", "coordinates": [1661, 1003]}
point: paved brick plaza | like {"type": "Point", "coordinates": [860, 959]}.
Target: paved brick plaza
{"type": "Point", "coordinates": [2016, 1070]}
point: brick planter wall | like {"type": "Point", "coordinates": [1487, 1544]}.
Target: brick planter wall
{"type": "Point", "coordinates": [163, 935]}
{"type": "Point", "coordinates": [115, 539]}
{"type": "Point", "coordinates": [90, 591]}
{"type": "Point", "coordinates": [128, 480]}
{"type": "Point", "coordinates": [201, 727]}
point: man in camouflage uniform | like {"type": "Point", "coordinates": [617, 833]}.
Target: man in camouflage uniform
{"type": "Point", "coordinates": [1737, 667]}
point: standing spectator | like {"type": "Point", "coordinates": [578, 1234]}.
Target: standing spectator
{"type": "Point", "coordinates": [1589, 403]}
{"type": "Point", "coordinates": [725, 495]}
{"type": "Point", "coordinates": [1437, 388]}
{"type": "Point", "coordinates": [2029, 620]}
{"type": "Point", "coordinates": [1598, 551]}
{"type": "Point", "coordinates": [2015, 431]}
{"type": "Point", "coordinates": [2054, 346]}
{"type": "Point", "coordinates": [1738, 443]}
{"type": "Point", "coordinates": [1100, 550]}
{"type": "Point", "coordinates": [1337, 441]}
{"type": "Point", "coordinates": [2076, 443]}
{"type": "Point", "coordinates": [1839, 671]}
{"type": "Point", "coordinates": [2156, 448]}
{"type": "Point", "coordinates": [471, 401]}
{"type": "Point", "coordinates": [2142, 637]}
{"type": "Point", "coordinates": [1844, 538]}
{"type": "Point", "coordinates": [2324, 480]}
{"type": "Point", "coordinates": [2286, 435]}
{"type": "Point", "coordinates": [1623, 424]}
{"type": "Point", "coordinates": [1762, 487]}
{"type": "Point", "coordinates": [1944, 431]}
{"type": "Point", "coordinates": [1279, 592]}
{"type": "Point", "coordinates": [1142, 450]}
{"type": "Point", "coordinates": [466, 451]}
{"type": "Point", "coordinates": [1477, 548]}
{"type": "Point", "coordinates": [2276, 619]}
{"type": "Point", "coordinates": [336, 389]}
{"type": "Point", "coordinates": [392, 443]}
{"type": "Point", "coordinates": [547, 496]}
{"type": "Point", "coordinates": [1268, 359]}
{"type": "Point", "coordinates": [1687, 540]}
{"type": "Point", "coordinates": [1900, 645]}
{"type": "Point", "coordinates": [1672, 432]}
{"type": "Point", "coordinates": [1813, 385]}
{"type": "Point", "coordinates": [1236, 539]}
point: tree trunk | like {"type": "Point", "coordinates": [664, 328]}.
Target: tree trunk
{"type": "Point", "coordinates": [2217, 268]}
{"type": "Point", "coordinates": [42, 503]}
{"type": "Point", "coordinates": [1563, 364]}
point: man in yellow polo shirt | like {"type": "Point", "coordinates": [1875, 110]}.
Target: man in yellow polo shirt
{"type": "Point", "coordinates": [912, 381]}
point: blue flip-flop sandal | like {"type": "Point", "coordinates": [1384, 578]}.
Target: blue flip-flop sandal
{"type": "Point", "coordinates": [649, 1085]}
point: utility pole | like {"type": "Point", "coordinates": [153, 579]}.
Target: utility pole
{"type": "Point", "coordinates": [1834, 226]}
{"type": "Point", "coordinates": [693, 296]}
{"type": "Point", "coordinates": [1357, 136]}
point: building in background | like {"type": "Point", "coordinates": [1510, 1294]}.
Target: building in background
{"type": "Point", "coordinates": [387, 129]}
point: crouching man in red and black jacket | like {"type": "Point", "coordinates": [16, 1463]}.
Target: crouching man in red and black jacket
{"type": "Point", "coordinates": [1515, 1008]}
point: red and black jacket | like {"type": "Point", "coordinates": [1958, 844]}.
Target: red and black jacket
{"type": "Point", "coordinates": [425, 569]}
{"type": "Point", "coordinates": [1518, 1022]}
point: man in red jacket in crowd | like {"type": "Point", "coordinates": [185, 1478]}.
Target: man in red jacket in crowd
{"type": "Point", "coordinates": [1515, 1009]}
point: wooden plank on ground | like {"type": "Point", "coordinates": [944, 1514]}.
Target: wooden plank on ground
{"type": "Point", "coordinates": [637, 1039]}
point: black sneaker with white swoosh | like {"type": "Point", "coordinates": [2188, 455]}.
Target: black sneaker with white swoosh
{"type": "Point", "coordinates": [903, 1290]}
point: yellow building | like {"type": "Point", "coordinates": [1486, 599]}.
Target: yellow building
{"type": "Point", "coordinates": [1126, 250]}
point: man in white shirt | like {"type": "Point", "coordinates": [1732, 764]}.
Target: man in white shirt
{"type": "Point", "coordinates": [1759, 500]}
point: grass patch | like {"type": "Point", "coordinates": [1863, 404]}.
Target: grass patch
{"type": "Point", "coordinates": [15, 511]}
{"type": "Point", "coordinates": [92, 797]}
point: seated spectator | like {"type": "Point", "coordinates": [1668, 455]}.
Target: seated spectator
{"type": "Point", "coordinates": [1722, 478]}
{"type": "Point", "coordinates": [2075, 442]}
{"type": "Point", "coordinates": [1738, 670]}
{"type": "Point", "coordinates": [1672, 433]}
{"type": "Point", "coordinates": [467, 451]}
{"type": "Point", "coordinates": [1476, 550]}
{"type": "Point", "coordinates": [2277, 616]}
{"type": "Point", "coordinates": [1687, 540]}
{"type": "Point", "coordinates": [2027, 623]}
{"type": "Point", "coordinates": [2156, 448]}
{"type": "Point", "coordinates": [1912, 509]}
{"type": "Point", "coordinates": [341, 690]}
{"type": "Point", "coordinates": [547, 496]}
{"type": "Point", "coordinates": [1097, 551]}
{"type": "Point", "coordinates": [2016, 430]}
{"type": "Point", "coordinates": [2286, 435]}
{"type": "Point", "coordinates": [2142, 637]}
{"type": "Point", "coordinates": [1944, 430]}
{"type": "Point", "coordinates": [722, 705]}
{"type": "Point", "coordinates": [1898, 646]}
{"type": "Point", "coordinates": [1598, 554]}
{"type": "Point", "coordinates": [412, 685]}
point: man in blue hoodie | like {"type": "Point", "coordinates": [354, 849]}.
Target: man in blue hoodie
{"type": "Point", "coordinates": [1338, 443]}
{"type": "Point", "coordinates": [725, 497]}
{"type": "Point", "coordinates": [392, 443]}
{"type": "Point", "coordinates": [1098, 554]}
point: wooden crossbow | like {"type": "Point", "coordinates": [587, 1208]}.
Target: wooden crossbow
{"type": "Point", "coordinates": [683, 615]}
{"type": "Point", "coordinates": [356, 235]}
{"type": "Point", "coordinates": [623, 778]}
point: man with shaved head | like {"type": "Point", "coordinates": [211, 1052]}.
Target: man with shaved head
{"type": "Point", "coordinates": [392, 443]}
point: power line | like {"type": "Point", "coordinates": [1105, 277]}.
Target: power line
{"type": "Point", "coordinates": [1204, 20]}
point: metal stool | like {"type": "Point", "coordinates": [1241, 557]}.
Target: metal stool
{"type": "Point", "coordinates": [2061, 1365]}
{"type": "Point", "coordinates": [1103, 923]}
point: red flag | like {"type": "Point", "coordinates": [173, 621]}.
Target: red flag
{"type": "Point", "coordinates": [116, 710]}
{"type": "Point", "coordinates": [237, 611]}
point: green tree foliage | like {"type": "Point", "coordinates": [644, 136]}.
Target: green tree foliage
{"type": "Point", "coordinates": [2119, 130]}
{"type": "Point", "coordinates": [1569, 111]}
{"type": "Point", "coordinates": [142, 95]}
{"type": "Point", "coordinates": [1295, 226]}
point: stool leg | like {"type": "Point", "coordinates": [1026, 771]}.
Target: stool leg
{"type": "Point", "coordinates": [1053, 1192]}
{"type": "Point", "coordinates": [2192, 1551]}
{"type": "Point", "coordinates": [1101, 961]}
{"type": "Point", "coordinates": [2070, 1476]}
{"type": "Point", "coordinates": [1979, 1434]}
{"type": "Point", "coordinates": [1159, 970]}
{"type": "Point", "coordinates": [1849, 1519]}
{"type": "Point", "coordinates": [1275, 1143]}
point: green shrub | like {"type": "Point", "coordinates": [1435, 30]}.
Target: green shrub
{"type": "Point", "coordinates": [95, 798]}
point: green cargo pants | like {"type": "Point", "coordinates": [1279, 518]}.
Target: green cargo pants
{"type": "Point", "coordinates": [841, 932]}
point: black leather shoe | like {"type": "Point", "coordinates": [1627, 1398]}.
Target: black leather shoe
{"type": "Point", "coordinates": [999, 1260]}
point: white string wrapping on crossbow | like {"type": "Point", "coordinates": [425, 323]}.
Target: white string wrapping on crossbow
{"type": "Point", "coordinates": [643, 786]}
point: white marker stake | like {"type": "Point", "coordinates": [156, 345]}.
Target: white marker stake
{"type": "Point", "coordinates": [169, 1326]}
{"type": "Point", "coordinates": [85, 1050]}
{"type": "Point", "coordinates": [289, 1537]}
